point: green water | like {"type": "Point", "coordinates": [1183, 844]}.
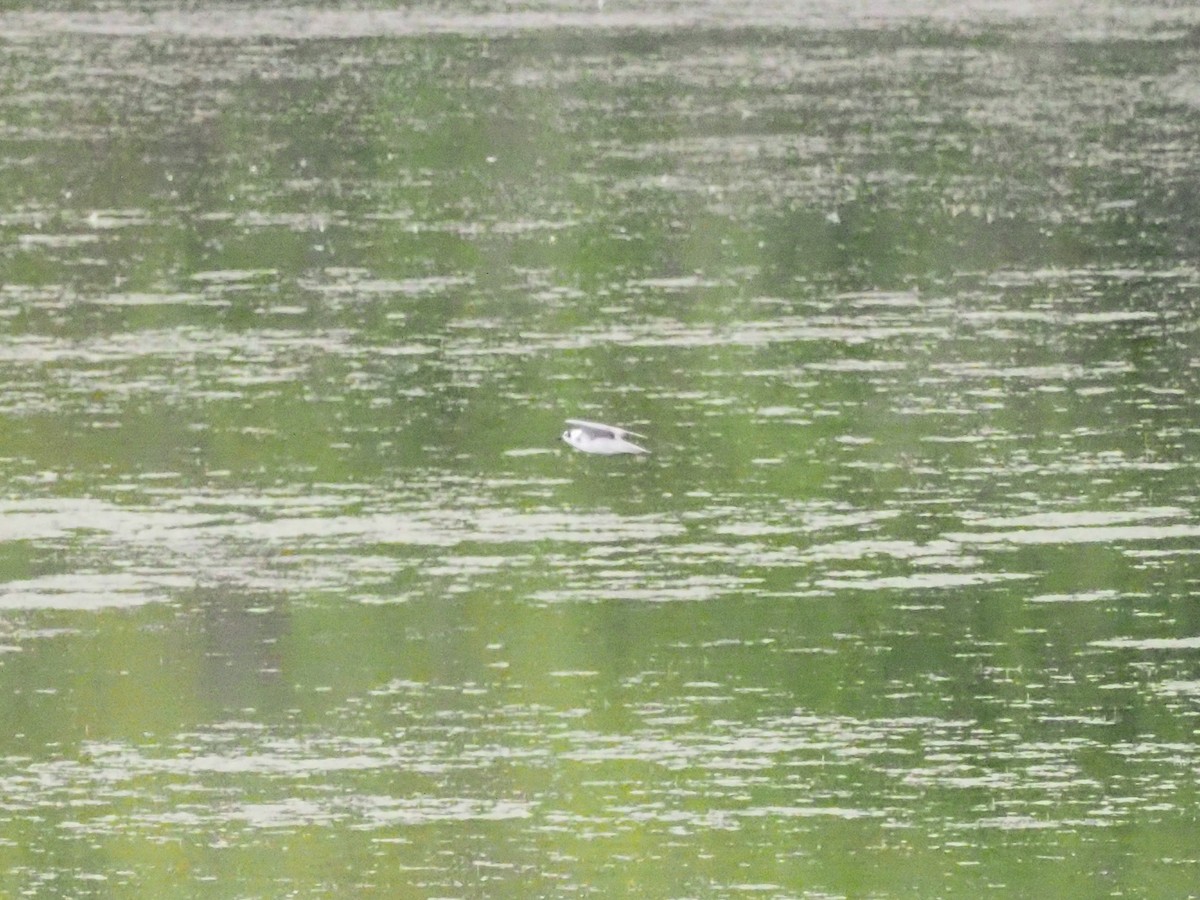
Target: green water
{"type": "Point", "coordinates": [302, 595]}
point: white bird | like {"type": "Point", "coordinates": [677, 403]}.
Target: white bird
{"type": "Point", "coordinates": [607, 440]}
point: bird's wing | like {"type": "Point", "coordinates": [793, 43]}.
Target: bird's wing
{"type": "Point", "coordinates": [597, 429]}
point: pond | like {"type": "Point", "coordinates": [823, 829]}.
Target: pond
{"type": "Point", "coordinates": [301, 593]}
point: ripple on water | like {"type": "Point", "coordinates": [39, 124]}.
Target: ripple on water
{"type": "Point", "coordinates": [921, 581]}
{"type": "Point", "coordinates": [1128, 643]}
{"type": "Point", "coordinates": [448, 527]}
{"type": "Point", "coordinates": [1111, 534]}
{"type": "Point", "coordinates": [84, 591]}
{"type": "Point", "coordinates": [1079, 597]}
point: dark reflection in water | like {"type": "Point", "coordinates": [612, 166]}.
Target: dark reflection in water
{"type": "Point", "coordinates": [301, 593]}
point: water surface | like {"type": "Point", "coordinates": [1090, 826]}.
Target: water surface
{"type": "Point", "coordinates": [300, 593]}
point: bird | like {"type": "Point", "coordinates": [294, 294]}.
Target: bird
{"type": "Point", "coordinates": [607, 440]}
